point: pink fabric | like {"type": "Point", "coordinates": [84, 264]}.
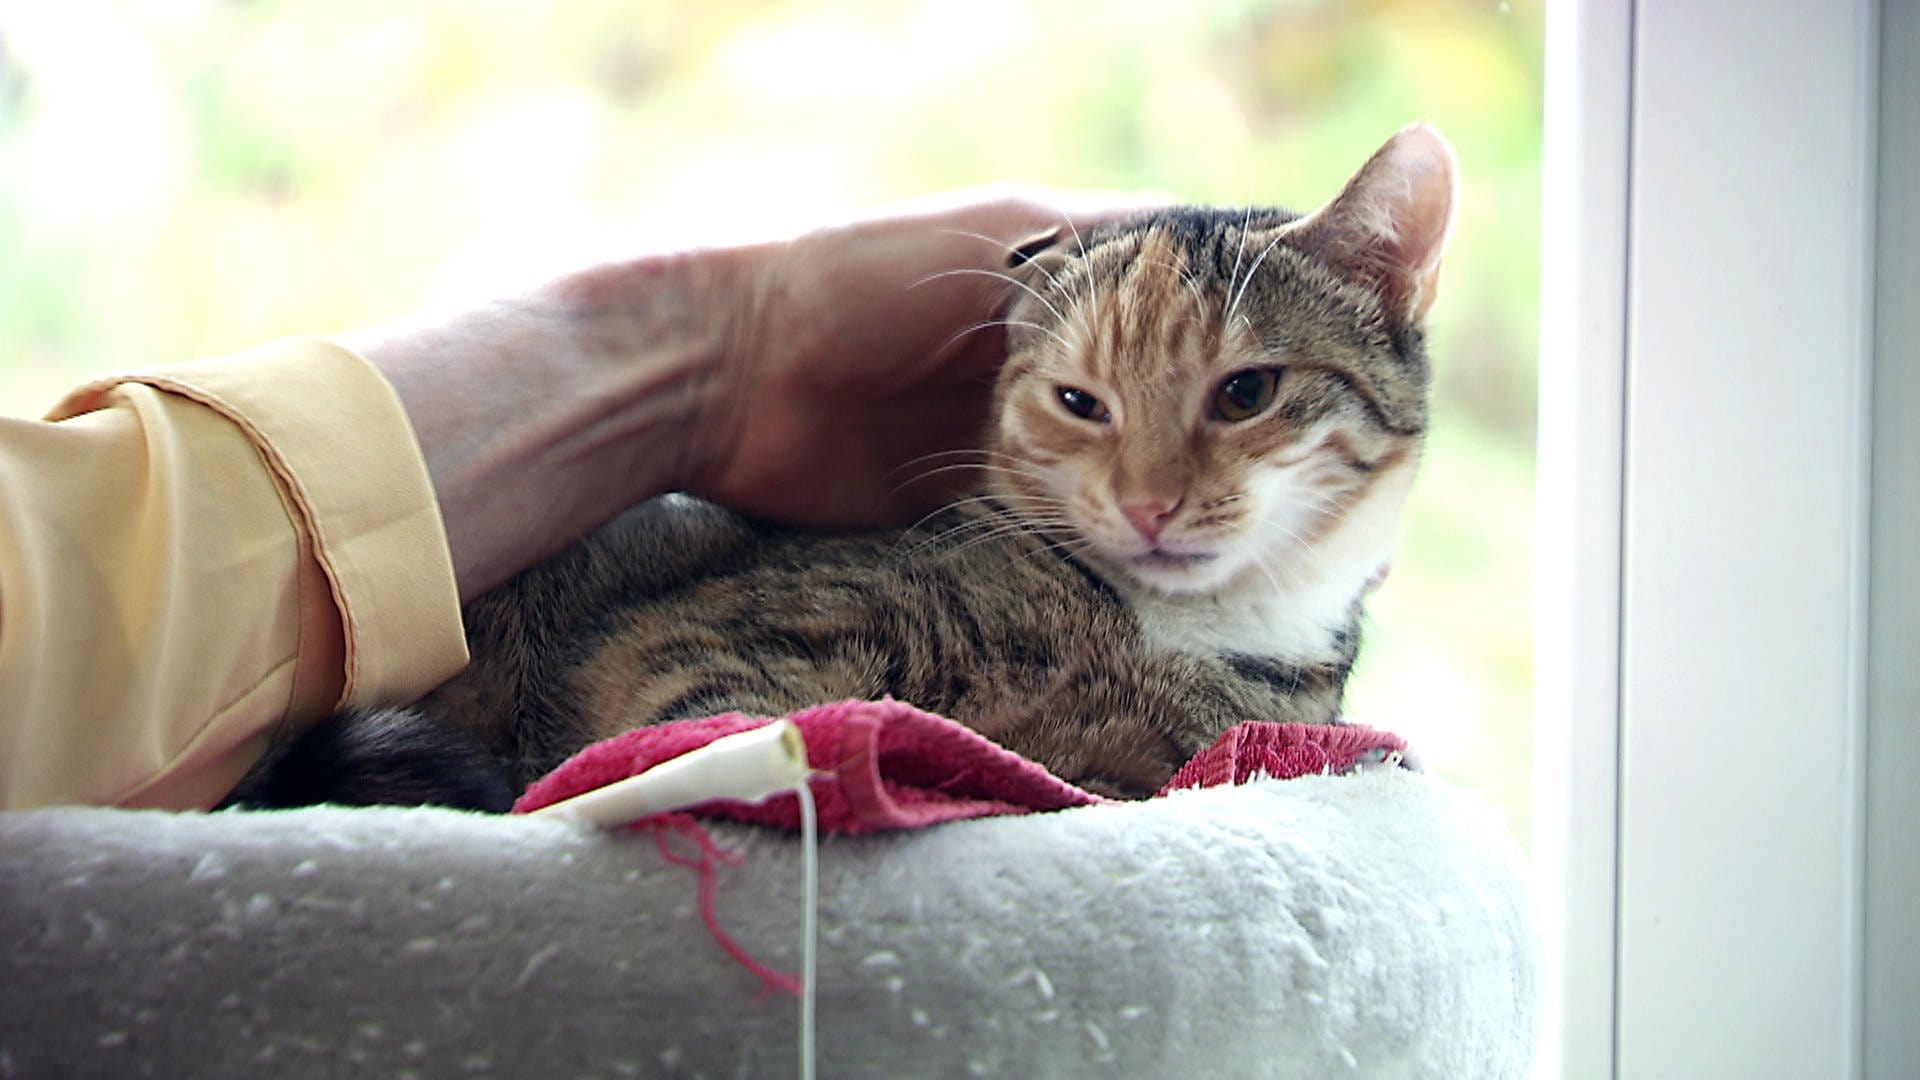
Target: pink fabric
{"type": "Point", "coordinates": [883, 765]}
{"type": "Point", "coordinates": [1282, 751]}
{"type": "Point", "coordinates": [886, 765]}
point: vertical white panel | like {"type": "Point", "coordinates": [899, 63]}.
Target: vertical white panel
{"type": "Point", "coordinates": [1577, 535]}
{"type": "Point", "coordinates": [1745, 516]}
{"type": "Point", "coordinates": [1892, 1022]}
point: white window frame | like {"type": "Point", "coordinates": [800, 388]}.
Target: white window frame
{"type": "Point", "coordinates": [1891, 1025]}
{"type": "Point", "coordinates": [1705, 492]}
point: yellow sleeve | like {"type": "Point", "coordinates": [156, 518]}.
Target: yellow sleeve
{"type": "Point", "coordinates": [194, 556]}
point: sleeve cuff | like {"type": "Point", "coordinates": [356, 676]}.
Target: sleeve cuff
{"type": "Point", "coordinates": [343, 454]}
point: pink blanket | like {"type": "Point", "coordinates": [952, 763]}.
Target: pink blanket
{"type": "Point", "coordinates": [887, 765]}
{"type": "Point", "coordinates": [883, 765]}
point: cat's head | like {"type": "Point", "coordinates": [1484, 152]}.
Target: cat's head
{"type": "Point", "coordinates": [1198, 400]}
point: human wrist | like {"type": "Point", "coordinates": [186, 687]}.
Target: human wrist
{"type": "Point", "coordinates": [543, 415]}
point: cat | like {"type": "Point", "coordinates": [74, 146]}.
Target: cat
{"type": "Point", "coordinates": [1201, 442]}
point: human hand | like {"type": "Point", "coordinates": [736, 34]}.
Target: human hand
{"type": "Point", "coordinates": [809, 381]}
{"type": "Point", "coordinates": [862, 357]}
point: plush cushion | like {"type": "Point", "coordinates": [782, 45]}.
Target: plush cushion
{"type": "Point", "coordinates": [1372, 924]}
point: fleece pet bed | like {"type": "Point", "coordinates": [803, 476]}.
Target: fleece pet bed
{"type": "Point", "coordinates": [1368, 924]}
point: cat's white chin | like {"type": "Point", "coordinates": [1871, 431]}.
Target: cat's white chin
{"type": "Point", "coordinates": [1176, 572]}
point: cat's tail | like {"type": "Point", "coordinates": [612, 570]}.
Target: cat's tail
{"type": "Point", "coordinates": [374, 757]}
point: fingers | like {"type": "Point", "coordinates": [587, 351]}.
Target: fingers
{"type": "Point", "coordinates": [1079, 208]}
{"type": "Point", "coordinates": [959, 242]}
{"type": "Point", "coordinates": [1004, 216]}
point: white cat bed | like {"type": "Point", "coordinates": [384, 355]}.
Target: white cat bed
{"type": "Point", "coordinates": [1370, 925]}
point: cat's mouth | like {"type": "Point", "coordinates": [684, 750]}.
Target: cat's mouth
{"type": "Point", "coordinates": [1174, 571]}
{"type": "Point", "coordinates": [1160, 559]}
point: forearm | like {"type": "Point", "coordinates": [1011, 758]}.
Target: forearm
{"type": "Point", "coordinates": [542, 416]}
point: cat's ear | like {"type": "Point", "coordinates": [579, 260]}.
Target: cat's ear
{"type": "Point", "coordinates": [1033, 264]}
{"type": "Point", "coordinates": [1037, 259]}
{"type": "Point", "coordinates": [1389, 225]}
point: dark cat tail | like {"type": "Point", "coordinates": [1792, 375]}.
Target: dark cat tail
{"type": "Point", "coordinates": [376, 757]}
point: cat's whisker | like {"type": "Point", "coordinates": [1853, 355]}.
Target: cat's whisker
{"type": "Point", "coordinates": [980, 540]}
{"type": "Point", "coordinates": [1030, 472]}
{"type": "Point", "coordinates": [923, 458]}
{"type": "Point", "coordinates": [1284, 566]}
{"type": "Point", "coordinates": [1086, 260]}
{"type": "Point", "coordinates": [1050, 507]}
{"type": "Point", "coordinates": [1326, 506]}
{"type": "Point", "coordinates": [1271, 524]}
{"type": "Point", "coordinates": [976, 450]}
{"type": "Point", "coordinates": [976, 327]}
{"type": "Point", "coordinates": [1240, 250]}
{"type": "Point", "coordinates": [1260, 564]}
{"type": "Point", "coordinates": [929, 516]}
{"type": "Point", "coordinates": [998, 276]}
{"type": "Point", "coordinates": [1305, 551]}
{"type": "Point", "coordinates": [954, 338]}
{"type": "Point", "coordinates": [1074, 308]}
{"type": "Point", "coordinates": [1073, 545]}
{"type": "Point", "coordinates": [968, 451]}
{"type": "Point", "coordinates": [1331, 513]}
{"type": "Point", "coordinates": [981, 529]}
{"type": "Point", "coordinates": [1312, 499]}
{"type": "Point", "coordinates": [994, 242]}
{"type": "Point", "coordinates": [1071, 548]}
{"type": "Point", "coordinates": [1020, 469]}
{"type": "Point", "coordinates": [1005, 248]}
{"type": "Point", "coordinates": [1006, 529]}
{"type": "Point", "coordinates": [1303, 543]}
{"type": "Point", "coordinates": [1004, 454]}
{"type": "Point", "coordinates": [971, 523]}
{"type": "Point", "coordinates": [983, 467]}
{"type": "Point", "coordinates": [929, 474]}
{"type": "Point", "coordinates": [962, 538]}
{"type": "Point", "coordinates": [922, 477]}
{"type": "Point", "coordinates": [1047, 330]}
{"type": "Point", "coordinates": [1193, 289]}
{"type": "Point", "coordinates": [1048, 512]}
{"type": "Point", "coordinates": [1264, 252]}
{"type": "Point", "coordinates": [1079, 315]}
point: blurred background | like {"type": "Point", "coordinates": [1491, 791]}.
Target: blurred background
{"type": "Point", "coordinates": [184, 178]}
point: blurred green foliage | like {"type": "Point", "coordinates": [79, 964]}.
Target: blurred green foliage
{"type": "Point", "coordinates": [190, 178]}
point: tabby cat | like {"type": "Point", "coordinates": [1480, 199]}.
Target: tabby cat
{"type": "Point", "coordinates": [1201, 442]}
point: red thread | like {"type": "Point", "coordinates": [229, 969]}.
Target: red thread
{"type": "Point", "coordinates": [709, 877]}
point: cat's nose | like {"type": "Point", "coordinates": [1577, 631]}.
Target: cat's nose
{"type": "Point", "coordinates": [1149, 517]}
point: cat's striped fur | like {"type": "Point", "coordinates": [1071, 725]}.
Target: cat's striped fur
{"type": "Point", "coordinates": [1144, 567]}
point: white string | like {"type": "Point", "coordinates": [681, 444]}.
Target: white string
{"type": "Point", "coordinates": [809, 923]}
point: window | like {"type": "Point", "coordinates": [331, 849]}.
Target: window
{"type": "Point", "coordinates": [190, 180]}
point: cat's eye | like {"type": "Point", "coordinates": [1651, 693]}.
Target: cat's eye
{"type": "Point", "coordinates": [1245, 394]}
{"type": "Point", "coordinates": [1082, 404]}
